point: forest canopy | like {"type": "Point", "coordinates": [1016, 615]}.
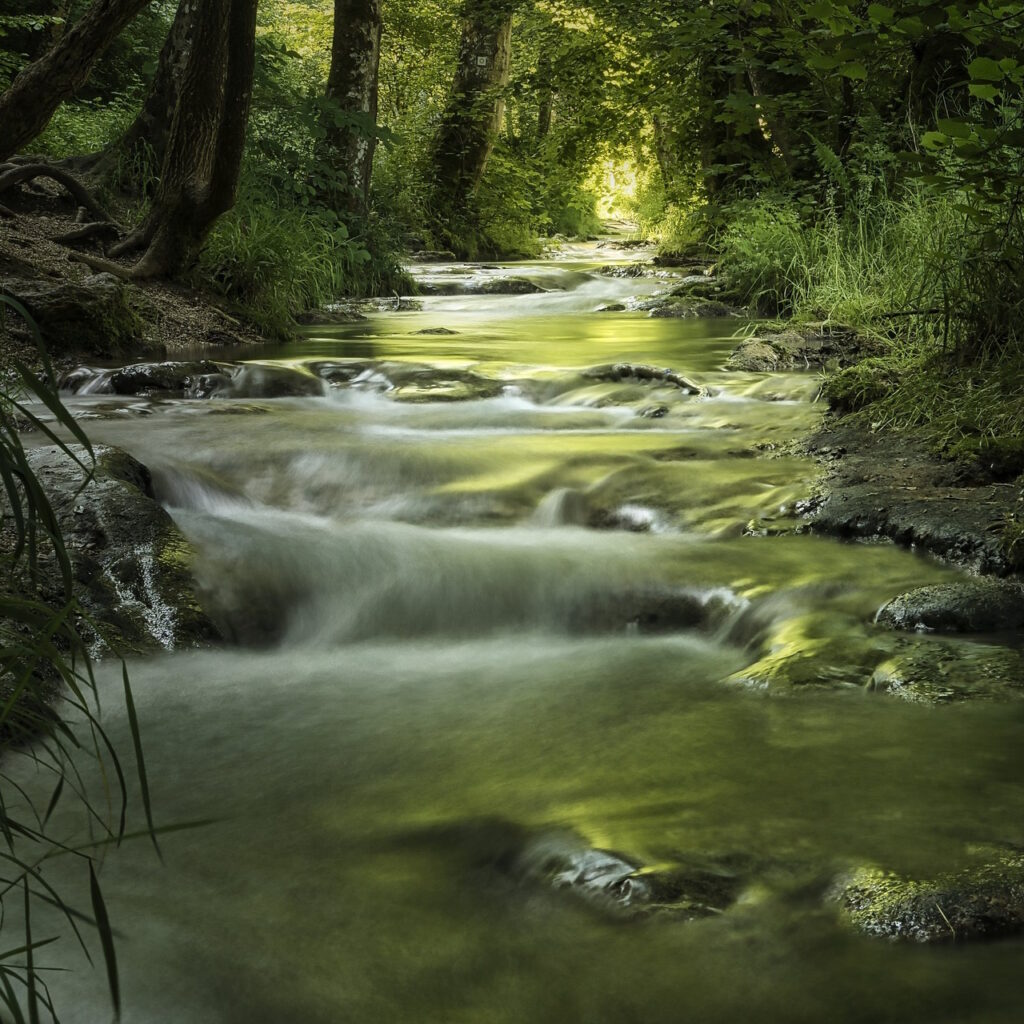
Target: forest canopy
{"type": "Point", "coordinates": [852, 162]}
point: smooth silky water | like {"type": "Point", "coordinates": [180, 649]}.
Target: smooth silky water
{"type": "Point", "coordinates": [430, 664]}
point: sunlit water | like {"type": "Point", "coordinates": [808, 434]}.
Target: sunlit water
{"type": "Point", "coordinates": [440, 610]}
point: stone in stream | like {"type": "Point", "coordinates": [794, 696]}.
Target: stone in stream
{"type": "Point", "coordinates": [981, 902]}
{"type": "Point", "coordinates": [439, 331]}
{"type": "Point", "coordinates": [704, 310]}
{"type": "Point", "coordinates": [611, 307]}
{"type": "Point", "coordinates": [947, 673]}
{"type": "Point", "coordinates": [263, 380]}
{"type": "Point", "coordinates": [981, 605]}
{"type": "Point", "coordinates": [143, 380]}
{"type": "Point", "coordinates": [619, 886]}
{"type": "Point", "coordinates": [617, 372]}
{"type": "Point", "coordinates": [132, 564]}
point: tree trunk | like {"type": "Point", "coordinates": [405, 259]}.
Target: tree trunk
{"type": "Point", "coordinates": [206, 138]}
{"type": "Point", "coordinates": [476, 105]}
{"type": "Point", "coordinates": [546, 98]}
{"type": "Point", "coordinates": [150, 130]}
{"type": "Point", "coordinates": [352, 95]}
{"type": "Point", "coordinates": [27, 106]}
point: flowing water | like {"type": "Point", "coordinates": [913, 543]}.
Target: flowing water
{"type": "Point", "coordinates": [484, 598]}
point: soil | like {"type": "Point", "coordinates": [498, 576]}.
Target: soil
{"type": "Point", "coordinates": [174, 317]}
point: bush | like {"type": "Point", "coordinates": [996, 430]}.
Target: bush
{"type": "Point", "coordinates": [278, 261]}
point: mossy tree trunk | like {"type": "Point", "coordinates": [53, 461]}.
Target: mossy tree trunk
{"type": "Point", "coordinates": [476, 104]}
{"type": "Point", "coordinates": [203, 153]}
{"type": "Point", "coordinates": [351, 113]}
{"type": "Point", "coordinates": [27, 106]}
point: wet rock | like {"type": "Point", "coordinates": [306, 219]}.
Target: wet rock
{"type": "Point", "coordinates": [423, 383]}
{"type": "Point", "coordinates": [799, 349]}
{"type": "Point", "coordinates": [179, 379]}
{"type": "Point", "coordinates": [507, 286]}
{"type": "Point", "coordinates": [938, 673]}
{"type": "Point", "coordinates": [329, 317]}
{"type": "Point", "coordinates": [983, 605]}
{"type": "Point", "coordinates": [755, 356]}
{"type": "Point", "coordinates": [262, 380]}
{"type": "Point", "coordinates": [432, 256]}
{"type": "Point", "coordinates": [654, 412]}
{"type": "Point", "coordinates": [94, 315]}
{"type": "Point", "coordinates": [982, 902]}
{"type": "Point", "coordinates": [132, 564]}
{"type": "Point", "coordinates": [439, 331]}
{"type": "Point", "coordinates": [644, 374]}
{"type": "Point", "coordinates": [700, 286]}
{"type": "Point", "coordinates": [619, 886]}
{"type": "Point", "coordinates": [686, 309]}
{"type": "Point", "coordinates": [650, 610]}
{"type": "Point", "coordinates": [952, 523]}
{"type": "Point", "coordinates": [612, 307]}
{"type": "Point", "coordinates": [631, 270]}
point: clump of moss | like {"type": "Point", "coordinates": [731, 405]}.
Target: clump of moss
{"type": "Point", "coordinates": [861, 385]}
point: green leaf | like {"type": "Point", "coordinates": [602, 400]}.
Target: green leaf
{"type": "Point", "coordinates": [985, 69]}
{"type": "Point", "coordinates": [880, 14]}
{"type": "Point", "coordinates": [99, 909]}
{"type": "Point", "coordinates": [984, 92]}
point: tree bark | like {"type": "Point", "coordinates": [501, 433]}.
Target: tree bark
{"type": "Point", "coordinates": [352, 95]}
{"type": "Point", "coordinates": [206, 138]}
{"type": "Point", "coordinates": [546, 99]}
{"type": "Point", "coordinates": [469, 127]}
{"type": "Point", "coordinates": [151, 128]}
{"type": "Point", "coordinates": [27, 106]}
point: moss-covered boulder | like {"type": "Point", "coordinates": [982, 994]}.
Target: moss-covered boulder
{"type": "Point", "coordinates": [985, 901]}
{"type": "Point", "coordinates": [948, 673]}
{"type": "Point", "coordinates": [981, 605]}
{"type": "Point", "coordinates": [97, 314]}
{"type": "Point", "coordinates": [131, 563]}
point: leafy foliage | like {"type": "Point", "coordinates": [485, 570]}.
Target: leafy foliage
{"type": "Point", "coordinates": [44, 656]}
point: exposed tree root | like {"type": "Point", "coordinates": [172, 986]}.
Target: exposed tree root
{"type": "Point", "coordinates": [98, 229]}
{"type": "Point", "coordinates": [102, 266]}
{"type": "Point", "coordinates": [20, 173]}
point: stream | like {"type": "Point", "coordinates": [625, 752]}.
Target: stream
{"type": "Point", "coordinates": [494, 605]}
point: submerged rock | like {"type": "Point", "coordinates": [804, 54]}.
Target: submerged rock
{"type": "Point", "coordinates": [132, 564]}
{"type": "Point", "coordinates": [620, 886]}
{"type": "Point", "coordinates": [982, 902]}
{"type": "Point", "coordinates": [983, 605]}
{"type": "Point", "coordinates": [440, 331]}
{"type": "Point", "coordinates": [263, 380]}
{"type": "Point", "coordinates": [937, 673]}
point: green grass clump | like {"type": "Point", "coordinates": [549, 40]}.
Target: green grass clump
{"type": "Point", "coordinates": [862, 384]}
{"type": "Point", "coordinates": [276, 262]}
{"type": "Point", "coordinates": [882, 268]}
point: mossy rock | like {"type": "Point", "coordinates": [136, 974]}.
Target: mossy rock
{"type": "Point", "coordinates": [981, 902]}
{"type": "Point", "coordinates": [936, 673]}
{"type": "Point", "coordinates": [980, 605]}
{"type": "Point", "coordinates": [860, 385]}
{"type": "Point", "coordinates": [97, 315]}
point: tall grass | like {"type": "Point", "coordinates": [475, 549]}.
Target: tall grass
{"type": "Point", "coordinates": [43, 655]}
{"type": "Point", "coordinates": [277, 261]}
{"type": "Point", "coordinates": [888, 263]}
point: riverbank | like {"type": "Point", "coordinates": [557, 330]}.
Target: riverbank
{"type": "Point", "coordinates": [52, 264]}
